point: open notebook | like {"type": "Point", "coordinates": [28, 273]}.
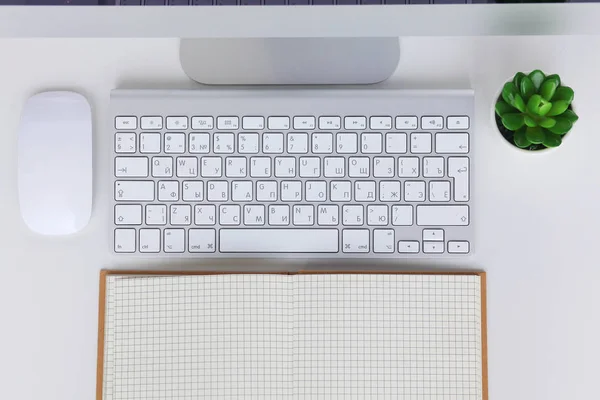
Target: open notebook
{"type": "Point", "coordinates": [292, 336]}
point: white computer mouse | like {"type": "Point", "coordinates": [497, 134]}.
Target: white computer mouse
{"type": "Point", "coordinates": [55, 162]}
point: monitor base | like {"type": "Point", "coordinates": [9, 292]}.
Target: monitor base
{"type": "Point", "coordinates": [290, 61]}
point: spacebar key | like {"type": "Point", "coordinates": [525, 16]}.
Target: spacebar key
{"type": "Point", "coordinates": [278, 240]}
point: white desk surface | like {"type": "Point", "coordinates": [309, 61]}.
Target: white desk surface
{"type": "Point", "coordinates": [537, 215]}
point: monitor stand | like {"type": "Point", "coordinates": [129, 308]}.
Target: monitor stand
{"type": "Point", "coordinates": [281, 61]}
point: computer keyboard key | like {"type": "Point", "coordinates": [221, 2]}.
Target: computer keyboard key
{"type": "Point", "coordinates": [125, 142]}
{"type": "Point", "coordinates": [383, 241]}
{"type": "Point", "coordinates": [124, 123]}
{"type": "Point", "coordinates": [278, 123]}
{"type": "Point", "coordinates": [395, 143]}
{"type": "Point", "coordinates": [322, 143]}
{"type": "Point", "coordinates": [370, 2]}
{"type": "Point", "coordinates": [402, 215]}
{"type": "Point", "coordinates": [433, 167]}
{"type": "Point", "coordinates": [174, 240]}
{"type": "Point", "coordinates": [125, 240]}
{"type": "Point", "coordinates": [408, 167]}
{"type": "Point", "coordinates": [446, 215]}
{"type": "Point", "coordinates": [156, 214]}
{"type": "Point", "coordinates": [458, 168]}
{"type": "Point", "coordinates": [303, 215]}
{"type": "Point", "coordinates": [248, 143]}
{"type": "Point", "coordinates": [168, 190]}
{"type": "Point", "coordinates": [275, 2]}
{"type": "Point", "coordinates": [254, 214]}
{"type": "Point", "coordinates": [279, 240]}
{"type": "Point", "coordinates": [447, 143]}
{"type": "Point", "coordinates": [187, 167]}
{"type": "Point", "coordinates": [347, 2]}
{"type": "Point", "coordinates": [202, 2]}
{"type": "Point", "coordinates": [297, 143]}
{"type": "Point", "coordinates": [340, 191]}
{"type": "Point", "coordinates": [223, 143]}
{"type": "Point", "coordinates": [407, 122]}
{"type": "Point", "coordinates": [198, 143]}
{"type": "Point", "coordinates": [334, 167]}
{"type": "Point", "coordinates": [433, 122]}
{"type": "Point", "coordinates": [439, 191]}
{"type": "Point", "coordinates": [347, 143]}
{"type": "Point", "coordinates": [359, 167]}
{"type": "Point", "coordinates": [414, 191]}
{"type": "Point", "coordinates": [304, 122]}
{"type": "Point", "coordinates": [355, 123]}
{"type": "Point", "coordinates": [371, 143]}
{"type": "Point", "coordinates": [355, 241]}
{"type": "Point", "coordinates": [330, 122]}
{"type": "Point", "coordinates": [420, 143]}
{"type": "Point", "coordinates": [380, 122]}
{"type": "Point", "coordinates": [389, 191]}
{"type": "Point", "coordinates": [242, 191]}
{"type": "Point", "coordinates": [128, 214]}
{"type": "Point", "coordinates": [230, 214]}
{"type": "Point", "coordinates": [266, 191]}
{"type": "Point", "coordinates": [434, 235]}
{"type": "Point", "coordinates": [328, 215]}
{"type": "Point", "coordinates": [458, 122]}
{"type": "Point", "coordinates": [193, 191]}
{"type": "Point", "coordinates": [251, 2]}
{"type": "Point", "coordinates": [154, 2]}
{"type": "Point", "coordinates": [395, 1]}
{"type": "Point", "coordinates": [202, 123]}
{"type": "Point", "coordinates": [181, 214]}
{"type": "Point", "coordinates": [149, 240]}
{"type": "Point", "coordinates": [364, 191]}
{"type": "Point", "coordinates": [316, 191]}
{"type": "Point", "coordinates": [134, 190]}
{"type": "Point", "coordinates": [384, 167]}
{"type": "Point", "coordinates": [175, 143]}
{"type": "Point", "coordinates": [217, 191]}
{"type": "Point", "coordinates": [202, 240]}
{"type": "Point", "coordinates": [272, 143]}
{"type": "Point", "coordinates": [150, 143]}
{"type": "Point", "coordinates": [323, 2]}
{"type": "Point", "coordinates": [418, 1]}
{"type": "Point", "coordinates": [408, 246]}
{"type": "Point", "coordinates": [291, 191]}
{"type": "Point", "coordinates": [228, 122]}
{"type": "Point", "coordinates": [131, 167]}
{"type": "Point", "coordinates": [353, 215]}
{"type": "Point", "coordinates": [179, 2]}
{"type": "Point", "coordinates": [433, 247]}
{"type": "Point", "coordinates": [279, 215]}
{"type": "Point", "coordinates": [236, 167]}
{"type": "Point", "coordinates": [377, 215]}
{"type": "Point", "coordinates": [205, 214]}
{"type": "Point", "coordinates": [162, 167]}
{"type": "Point", "coordinates": [253, 123]}
{"type": "Point", "coordinates": [260, 167]}
{"type": "Point", "coordinates": [151, 123]}
{"type": "Point", "coordinates": [458, 246]}
{"type": "Point", "coordinates": [177, 123]}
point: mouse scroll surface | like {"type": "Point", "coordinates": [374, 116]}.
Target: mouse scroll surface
{"type": "Point", "coordinates": [55, 163]}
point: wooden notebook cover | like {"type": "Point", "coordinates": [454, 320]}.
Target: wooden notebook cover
{"type": "Point", "coordinates": [102, 309]}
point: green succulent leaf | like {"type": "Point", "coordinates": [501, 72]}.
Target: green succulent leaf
{"type": "Point", "coordinates": [537, 77]}
{"type": "Point", "coordinates": [552, 139]}
{"type": "Point", "coordinates": [558, 107]}
{"type": "Point", "coordinates": [538, 106]}
{"type": "Point", "coordinates": [549, 86]}
{"type": "Point", "coordinates": [517, 79]}
{"type": "Point", "coordinates": [511, 95]}
{"type": "Point", "coordinates": [513, 121]}
{"type": "Point", "coordinates": [526, 86]}
{"type": "Point", "coordinates": [520, 139]}
{"type": "Point", "coordinates": [562, 126]}
{"type": "Point", "coordinates": [535, 135]}
{"type": "Point", "coordinates": [564, 93]}
{"type": "Point", "coordinates": [570, 115]}
{"type": "Point", "coordinates": [547, 122]}
{"type": "Point", "coordinates": [529, 121]}
{"type": "Point", "coordinates": [503, 108]}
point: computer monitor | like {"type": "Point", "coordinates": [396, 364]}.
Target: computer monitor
{"type": "Point", "coordinates": [293, 41]}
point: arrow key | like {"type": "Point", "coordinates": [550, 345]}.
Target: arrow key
{"type": "Point", "coordinates": [458, 246]}
{"type": "Point", "coordinates": [435, 235]}
{"type": "Point", "coordinates": [433, 247]}
{"type": "Point", "coordinates": [408, 246]}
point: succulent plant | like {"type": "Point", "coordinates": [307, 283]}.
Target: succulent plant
{"type": "Point", "coordinates": [535, 110]}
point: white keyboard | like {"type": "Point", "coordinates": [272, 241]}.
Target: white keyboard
{"type": "Point", "coordinates": [319, 173]}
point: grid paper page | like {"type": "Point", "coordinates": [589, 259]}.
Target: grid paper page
{"type": "Point", "coordinates": [200, 337]}
{"type": "Point", "coordinates": [387, 337]}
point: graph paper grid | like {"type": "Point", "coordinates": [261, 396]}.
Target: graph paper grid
{"type": "Point", "coordinates": [318, 336]}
